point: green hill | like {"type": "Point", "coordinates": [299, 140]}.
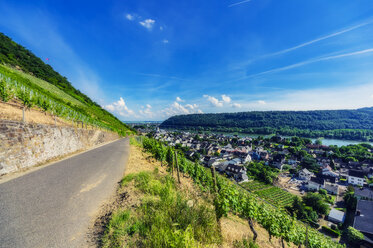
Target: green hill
{"type": "Point", "coordinates": [27, 78]}
{"type": "Point", "coordinates": [342, 124]}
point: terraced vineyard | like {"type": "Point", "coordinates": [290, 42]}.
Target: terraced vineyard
{"type": "Point", "coordinates": [272, 194]}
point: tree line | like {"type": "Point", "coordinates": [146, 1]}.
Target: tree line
{"type": "Point", "coordinates": [339, 124]}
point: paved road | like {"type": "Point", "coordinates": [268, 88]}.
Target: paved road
{"type": "Point", "coordinates": [54, 206]}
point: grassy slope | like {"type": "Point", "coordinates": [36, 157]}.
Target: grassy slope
{"type": "Point", "coordinates": [45, 85]}
{"type": "Point", "coordinates": [159, 212]}
{"type": "Point", "coordinates": [32, 70]}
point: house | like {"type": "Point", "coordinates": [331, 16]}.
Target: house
{"type": "Point", "coordinates": [305, 174]}
{"type": "Point", "coordinates": [363, 193]}
{"type": "Point", "coordinates": [246, 158]}
{"type": "Point", "coordinates": [221, 166]}
{"type": "Point", "coordinates": [336, 216]}
{"type": "Point", "coordinates": [364, 218]}
{"type": "Point", "coordinates": [255, 156]}
{"type": "Point", "coordinates": [233, 169]}
{"type": "Point", "coordinates": [292, 161]}
{"type": "Point", "coordinates": [264, 155]}
{"type": "Point", "coordinates": [238, 172]}
{"type": "Point", "coordinates": [356, 177]}
{"type": "Point", "coordinates": [278, 165]}
{"type": "Point", "coordinates": [315, 184]}
{"type": "Point", "coordinates": [332, 188]}
{"type": "Point", "coordinates": [327, 170]}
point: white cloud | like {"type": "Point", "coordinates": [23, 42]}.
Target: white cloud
{"type": "Point", "coordinates": [190, 106]}
{"type": "Point", "coordinates": [371, 96]}
{"type": "Point", "coordinates": [178, 99]}
{"type": "Point", "coordinates": [109, 107]}
{"type": "Point", "coordinates": [178, 109]}
{"type": "Point", "coordinates": [226, 99]}
{"type": "Point", "coordinates": [215, 102]}
{"type": "Point", "coordinates": [119, 107]}
{"type": "Point", "coordinates": [130, 17]}
{"type": "Point", "coordinates": [148, 23]}
{"type": "Point", "coordinates": [147, 112]}
{"type": "Point", "coordinates": [261, 102]}
{"type": "Point", "coordinates": [236, 105]}
{"type": "Point", "coordinates": [165, 41]}
{"type": "Point", "coordinates": [348, 97]}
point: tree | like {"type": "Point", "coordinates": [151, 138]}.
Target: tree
{"type": "Point", "coordinates": [310, 163]}
{"type": "Point", "coordinates": [350, 200]}
{"type": "Point", "coordinates": [316, 201]}
{"type": "Point", "coordinates": [318, 142]}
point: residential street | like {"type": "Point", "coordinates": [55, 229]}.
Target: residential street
{"type": "Point", "coordinates": [54, 206]}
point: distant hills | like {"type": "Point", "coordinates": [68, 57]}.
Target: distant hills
{"type": "Point", "coordinates": [15, 60]}
{"type": "Point", "coordinates": [342, 124]}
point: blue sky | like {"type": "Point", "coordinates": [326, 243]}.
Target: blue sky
{"type": "Point", "coordinates": [148, 60]}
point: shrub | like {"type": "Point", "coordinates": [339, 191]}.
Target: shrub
{"type": "Point", "coordinates": [4, 91]}
{"type": "Point", "coordinates": [245, 243]}
{"type": "Point", "coordinates": [165, 217]}
{"type": "Point", "coordinates": [354, 236]}
{"type": "Point", "coordinates": [331, 232]}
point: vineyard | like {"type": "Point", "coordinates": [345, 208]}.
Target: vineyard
{"type": "Point", "coordinates": [272, 194]}
{"type": "Point", "coordinates": [32, 91]}
{"type": "Point", "coordinates": [231, 198]}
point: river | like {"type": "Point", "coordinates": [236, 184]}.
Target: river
{"type": "Point", "coordinates": [327, 142]}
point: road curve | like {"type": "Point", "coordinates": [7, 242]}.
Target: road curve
{"type": "Point", "coordinates": [54, 206]}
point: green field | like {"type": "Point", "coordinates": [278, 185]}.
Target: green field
{"type": "Point", "coordinates": [45, 85]}
{"type": "Point", "coordinates": [272, 194]}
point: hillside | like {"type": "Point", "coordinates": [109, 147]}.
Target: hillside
{"type": "Point", "coordinates": [174, 202]}
{"type": "Point", "coordinates": [343, 124]}
{"type": "Point", "coordinates": [26, 78]}
{"type": "Point", "coordinates": [151, 209]}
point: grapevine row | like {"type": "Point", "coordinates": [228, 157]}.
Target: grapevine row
{"type": "Point", "coordinates": [231, 198]}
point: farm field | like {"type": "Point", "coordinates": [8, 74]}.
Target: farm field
{"type": "Point", "coordinates": [272, 194]}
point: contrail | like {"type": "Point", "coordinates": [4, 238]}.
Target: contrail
{"type": "Point", "coordinates": [310, 61]}
{"type": "Point", "coordinates": [318, 39]}
{"type": "Point", "coordinates": [234, 4]}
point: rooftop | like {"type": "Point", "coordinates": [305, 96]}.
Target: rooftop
{"type": "Point", "coordinates": [336, 215]}
{"type": "Point", "coordinates": [364, 221]}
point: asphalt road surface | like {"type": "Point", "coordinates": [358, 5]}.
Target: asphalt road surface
{"type": "Point", "coordinates": [55, 206]}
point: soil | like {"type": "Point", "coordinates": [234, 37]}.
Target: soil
{"type": "Point", "coordinates": [283, 182]}
{"type": "Point", "coordinates": [12, 110]}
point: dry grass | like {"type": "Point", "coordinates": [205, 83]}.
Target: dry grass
{"type": "Point", "coordinates": [12, 110]}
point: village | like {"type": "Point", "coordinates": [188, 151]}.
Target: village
{"type": "Point", "coordinates": [277, 169]}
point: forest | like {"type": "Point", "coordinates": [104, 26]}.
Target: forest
{"type": "Point", "coordinates": [339, 124]}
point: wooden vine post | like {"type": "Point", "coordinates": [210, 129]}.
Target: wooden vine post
{"type": "Point", "coordinates": [177, 168]}
{"type": "Point", "coordinates": [23, 113]}
{"type": "Point", "coordinates": [214, 179]}
{"type": "Point", "coordinates": [251, 224]}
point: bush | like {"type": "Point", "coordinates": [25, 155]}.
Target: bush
{"type": "Point", "coordinates": [331, 232]}
{"type": "Point", "coordinates": [165, 217]}
{"type": "Point", "coordinates": [354, 236]}
{"type": "Point", "coordinates": [245, 243]}
{"type": "Point", "coordinates": [323, 192]}
{"type": "Point", "coordinates": [4, 92]}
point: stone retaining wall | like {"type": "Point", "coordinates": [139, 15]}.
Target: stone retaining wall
{"type": "Point", "coordinates": [25, 145]}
